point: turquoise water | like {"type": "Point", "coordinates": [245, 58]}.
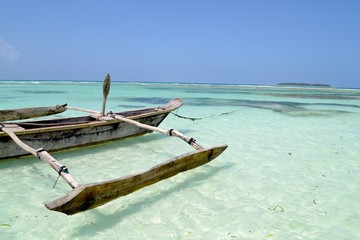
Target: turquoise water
{"type": "Point", "coordinates": [291, 170]}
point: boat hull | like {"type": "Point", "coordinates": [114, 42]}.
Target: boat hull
{"type": "Point", "coordinates": [63, 134]}
{"type": "Point", "coordinates": [66, 139]}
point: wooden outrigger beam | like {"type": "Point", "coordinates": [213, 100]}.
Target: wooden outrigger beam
{"type": "Point", "coordinates": [43, 155]}
{"type": "Point", "coordinates": [88, 196]}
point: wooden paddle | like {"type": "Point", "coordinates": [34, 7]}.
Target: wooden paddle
{"type": "Point", "coordinates": [106, 90]}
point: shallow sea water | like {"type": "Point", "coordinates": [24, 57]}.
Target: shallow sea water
{"type": "Point", "coordinates": [291, 170]}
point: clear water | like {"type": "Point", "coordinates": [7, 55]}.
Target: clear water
{"type": "Point", "coordinates": [292, 169]}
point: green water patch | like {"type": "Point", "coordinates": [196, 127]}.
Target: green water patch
{"type": "Point", "coordinates": [150, 100]}
{"type": "Point", "coordinates": [6, 97]}
{"type": "Point", "coordinates": [316, 96]}
{"type": "Point", "coordinates": [294, 109]}
{"type": "Point", "coordinates": [205, 89]}
{"type": "Point", "coordinates": [281, 92]}
{"type": "Point", "coordinates": [5, 225]}
{"type": "Point", "coordinates": [41, 91]}
{"type": "Point", "coordinates": [131, 106]}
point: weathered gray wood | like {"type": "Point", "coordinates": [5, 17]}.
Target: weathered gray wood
{"type": "Point", "coordinates": [25, 113]}
{"type": "Point", "coordinates": [87, 131]}
{"type": "Point", "coordinates": [170, 132]}
{"type": "Point", "coordinates": [106, 89]}
{"type": "Point", "coordinates": [44, 156]}
{"type": "Point", "coordinates": [88, 196]}
{"type": "Point", "coordinates": [17, 140]}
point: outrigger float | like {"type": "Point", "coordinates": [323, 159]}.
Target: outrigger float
{"type": "Point", "coordinates": [18, 138]}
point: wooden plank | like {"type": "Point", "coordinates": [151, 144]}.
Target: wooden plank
{"type": "Point", "coordinates": [25, 113]}
{"type": "Point", "coordinates": [88, 196]}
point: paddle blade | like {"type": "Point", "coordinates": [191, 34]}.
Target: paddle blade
{"type": "Point", "coordinates": [106, 86]}
{"type": "Point", "coordinates": [106, 90]}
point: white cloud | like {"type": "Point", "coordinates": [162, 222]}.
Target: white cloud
{"type": "Point", "coordinates": [8, 52]}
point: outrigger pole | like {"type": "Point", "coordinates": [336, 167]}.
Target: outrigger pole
{"type": "Point", "coordinates": [44, 156]}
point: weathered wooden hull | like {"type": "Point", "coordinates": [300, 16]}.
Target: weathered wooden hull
{"type": "Point", "coordinates": [25, 113]}
{"type": "Point", "coordinates": [68, 133]}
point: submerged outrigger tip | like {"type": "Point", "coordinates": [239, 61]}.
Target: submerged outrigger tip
{"type": "Point", "coordinates": [98, 127]}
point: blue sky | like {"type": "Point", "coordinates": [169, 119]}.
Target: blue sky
{"type": "Point", "coordinates": [224, 41]}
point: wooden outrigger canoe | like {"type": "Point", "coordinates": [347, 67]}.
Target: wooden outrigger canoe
{"type": "Point", "coordinates": [63, 133]}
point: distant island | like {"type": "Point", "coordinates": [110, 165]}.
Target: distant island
{"type": "Point", "coordinates": [304, 84]}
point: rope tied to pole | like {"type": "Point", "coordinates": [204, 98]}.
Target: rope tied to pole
{"type": "Point", "coordinates": [38, 151]}
{"type": "Point", "coordinates": [63, 169]}
{"type": "Point", "coordinates": [191, 140]}
{"type": "Point", "coordinates": [200, 118]}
